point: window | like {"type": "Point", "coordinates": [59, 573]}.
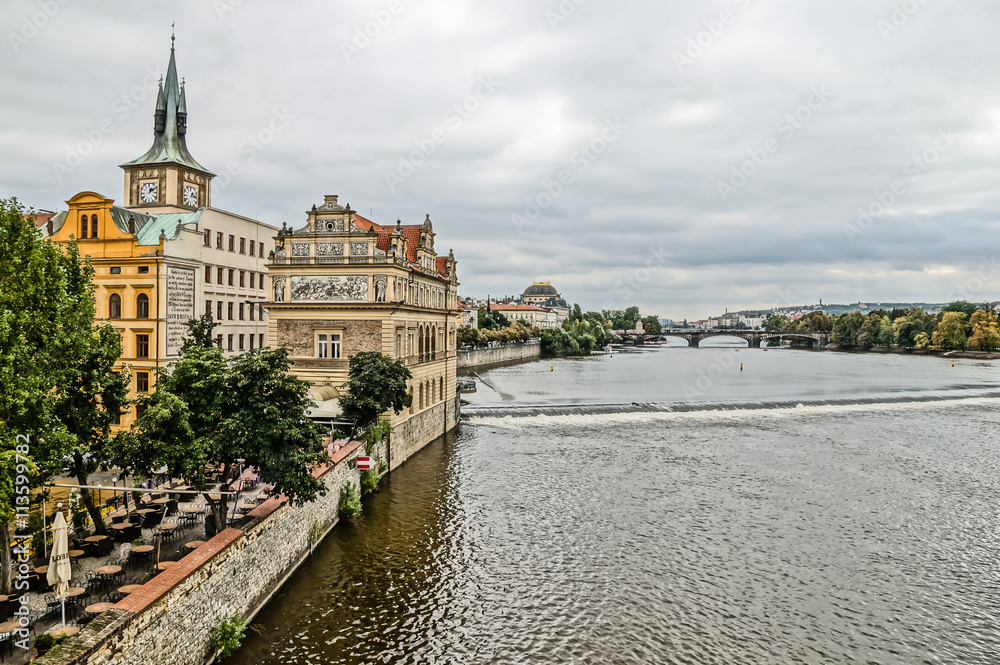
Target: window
{"type": "Point", "coordinates": [93, 226]}
{"type": "Point", "coordinates": [242, 346]}
{"type": "Point", "coordinates": [218, 338]}
{"type": "Point", "coordinates": [399, 343]}
{"type": "Point", "coordinates": [231, 273]}
{"type": "Point", "coordinates": [208, 308]}
{"type": "Point", "coordinates": [242, 307]}
{"type": "Point", "coordinates": [142, 346]}
{"type": "Point", "coordinates": [84, 226]}
{"type": "Point", "coordinates": [142, 382]}
{"type": "Point", "coordinates": [230, 342]}
{"type": "Point", "coordinates": [208, 238]}
{"type": "Point", "coordinates": [139, 410]}
{"type": "Point", "coordinates": [253, 310]}
{"type": "Point", "coordinates": [143, 270]}
{"type": "Point", "coordinates": [116, 270]}
{"type": "Point", "coordinates": [260, 281]}
{"type": "Point", "coordinates": [253, 246]}
{"type": "Point", "coordinates": [232, 243]}
{"type": "Point", "coordinates": [230, 315]}
{"type": "Point", "coordinates": [218, 276]}
{"type": "Point", "coordinates": [251, 342]}
{"type": "Point", "coordinates": [218, 240]}
{"type": "Point", "coordinates": [260, 339]}
{"type": "Point", "coordinates": [243, 245]}
{"type": "Point", "coordinates": [142, 306]}
{"type": "Point", "coordinates": [114, 306]}
{"type": "Point", "coordinates": [327, 345]}
{"type": "Point", "coordinates": [219, 314]}
{"type": "Point", "coordinates": [243, 276]}
{"type": "Point", "coordinates": [208, 274]}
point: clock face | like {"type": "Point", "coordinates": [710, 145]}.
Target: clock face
{"type": "Point", "coordinates": [190, 196]}
{"type": "Point", "coordinates": [148, 192]}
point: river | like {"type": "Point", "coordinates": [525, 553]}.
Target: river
{"type": "Point", "coordinates": [665, 506]}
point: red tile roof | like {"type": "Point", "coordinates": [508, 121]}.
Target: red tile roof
{"type": "Point", "coordinates": [410, 231]}
{"type": "Point", "coordinates": [41, 218]}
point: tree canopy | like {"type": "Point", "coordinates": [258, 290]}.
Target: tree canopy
{"type": "Point", "coordinates": [375, 384]}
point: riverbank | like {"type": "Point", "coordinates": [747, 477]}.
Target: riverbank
{"type": "Point", "coordinates": [981, 355]}
{"type": "Point", "coordinates": [479, 357]}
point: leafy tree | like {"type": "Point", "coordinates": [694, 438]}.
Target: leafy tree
{"type": "Point", "coordinates": [622, 319]}
{"type": "Point", "coordinates": [776, 323]}
{"type": "Point", "coordinates": [577, 314]}
{"type": "Point", "coordinates": [950, 332]}
{"type": "Point", "coordinates": [651, 324]}
{"type": "Point", "coordinates": [868, 333]}
{"type": "Point", "coordinates": [886, 333]}
{"type": "Point", "coordinates": [985, 335]}
{"type": "Point", "coordinates": [846, 327]}
{"type": "Point", "coordinates": [814, 322]}
{"type": "Point", "coordinates": [207, 411]}
{"type": "Point", "coordinates": [375, 384]}
{"type": "Point", "coordinates": [962, 306]}
{"type": "Point", "coordinates": [912, 324]}
{"type": "Point", "coordinates": [46, 336]}
{"type": "Point", "coordinates": [922, 341]}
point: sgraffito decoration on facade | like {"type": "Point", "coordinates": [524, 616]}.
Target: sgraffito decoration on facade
{"type": "Point", "coordinates": [330, 288]}
{"type": "Point", "coordinates": [330, 226]}
{"type": "Point", "coordinates": [300, 249]}
{"type": "Point", "coordinates": [359, 249]}
{"type": "Point", "coordinates": [329, 249]}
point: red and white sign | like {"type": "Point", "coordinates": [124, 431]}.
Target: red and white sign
{"type": "Point", "coordinates": [365, 463]}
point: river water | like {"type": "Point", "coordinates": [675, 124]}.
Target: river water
{"type": "Point", "coordinates": [663, 506]}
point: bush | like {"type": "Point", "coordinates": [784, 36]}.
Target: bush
{"type": "Point", "coordinates": [228, 635]}
{"type": "Point", "coordinates": [44, 642]}
{"type": "Point", "coordinates": [350, 503]}
{"type": "Point", "coordinates": [369, 481]}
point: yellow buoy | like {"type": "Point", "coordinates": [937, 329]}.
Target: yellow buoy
{"type": "Point", "coordinates": [741, 367]}
{"type": "Point", "coordinates": [552, 368]}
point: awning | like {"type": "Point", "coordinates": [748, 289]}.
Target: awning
{"type": "Point", "coordinates": [325, 399]}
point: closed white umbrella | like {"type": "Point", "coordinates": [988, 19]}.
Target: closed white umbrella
{"type": "Point", "coordinates": [60, 572]}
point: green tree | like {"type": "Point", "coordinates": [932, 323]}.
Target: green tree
{"type": "Point", "coordinates": [651, 324]}
{"type": "Point", "coordinates": [468, 335]}
{"type": "Point", "coordinates": [209, 411]}
{"type": "Point", "coordinates": [46, 335]}
{"type": "Point", "coordinates": [907, 327]}
{"type": "Point", "coordinates": [846, 327]}
{"type": "Point", "coordinates": [814, 322]}
{"type": "Point", "coordinates": [962, 306]}
{"type": "Point", "coordinates": [868, 333]}
{"type": "Point", "coordinates": [375, 384]}
{"type": "Point", "coordinates": [886, 333]}
{"type": "Point", "coordinates": [950, 332]}
{"type": "Point", "coordinates": [922, 341]}
{"type": "Point", "coordinates": [776, 323]}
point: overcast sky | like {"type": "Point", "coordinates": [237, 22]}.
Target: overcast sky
{"type": "Point", "coordinates": [682, 156]}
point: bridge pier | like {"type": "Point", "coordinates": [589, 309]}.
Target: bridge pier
{"type": "Point", "coordinates": [753, 342]}
{"type": "Point", "coordinates": [693, 342]}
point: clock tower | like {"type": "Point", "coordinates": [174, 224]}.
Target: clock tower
{"type": "Point", "coordinates": [167, 178]}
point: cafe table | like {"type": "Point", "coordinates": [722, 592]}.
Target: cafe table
{"type": "Point", "coordinates": [64, 631]}
{"type": "Point", "coordinates": [129, 588]}
{"type": "Point", "coordinates": [98, 608]}
{"type": "Point", "coordinates": [163, 565]}
{"type": "Point", "coordinates": [194, 544]}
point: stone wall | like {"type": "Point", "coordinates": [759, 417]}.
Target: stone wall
{"type": "Point", "coordinates": [298, 335]}
{"type": "Point", "coordinates": [170, 621]}
{"type": "Point", "coordinates": [500, 354]}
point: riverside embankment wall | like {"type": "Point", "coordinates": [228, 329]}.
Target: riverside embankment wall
{"type": "Point", "coordinates": [499, 354]}
{"type": "Point", "coordinates": [170, 621]}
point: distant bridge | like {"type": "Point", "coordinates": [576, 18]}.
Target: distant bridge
{"type": "Point", "coordinates": [753, 337]}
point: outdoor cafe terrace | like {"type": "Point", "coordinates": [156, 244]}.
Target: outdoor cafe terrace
{"type": "Point", "coordinates": [144, 539]}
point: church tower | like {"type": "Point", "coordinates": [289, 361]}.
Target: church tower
{"type": "Point", "coordinates": [167, 178]}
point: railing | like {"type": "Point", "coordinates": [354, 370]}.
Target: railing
{"type": "Point", "coordinates": [409, 361]}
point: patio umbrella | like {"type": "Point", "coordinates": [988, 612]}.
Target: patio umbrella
{"type": "Point", "coordinates": [59, 568]}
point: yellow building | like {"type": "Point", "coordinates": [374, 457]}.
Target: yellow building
{"type": "Point", "coordinates": [343, 284]}
{"type": "Point", "coordinates": [166, 257]}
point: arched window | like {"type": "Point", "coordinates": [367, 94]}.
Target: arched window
{"type": "Point", "coordinates": [115, 306]}
{"type": "Point", "coordinates": [93, 226]}
{"type": "Point", "coordinates": [434, 340]}
{"type": "Point", "coordinates": [142, 306]}
{"type": "Point", "coordinates": [84, 226]}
